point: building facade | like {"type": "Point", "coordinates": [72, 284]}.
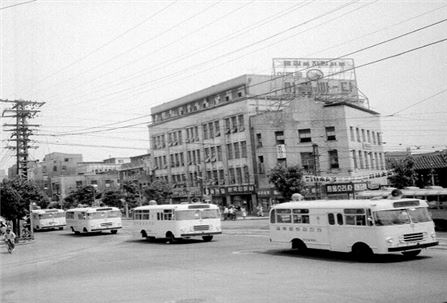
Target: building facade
{"type": "Point", "coordinates": [222, 141]}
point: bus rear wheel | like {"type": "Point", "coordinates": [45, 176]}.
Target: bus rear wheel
{"type": "Point", "coordinates": [299, 245]}
{"type": "Point", "coordinates": [114, 231]}
{"type": "Point", "coordinates": [207, 238]}
{"type": "Point", "coordinates": [411, 253]}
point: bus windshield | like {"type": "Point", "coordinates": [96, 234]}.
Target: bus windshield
{"type": "Point", "coordinates": [196, 214]}
{"type": "Point", "coordinates": [401, 216]}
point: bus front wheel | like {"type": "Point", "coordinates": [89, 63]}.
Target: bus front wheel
{"type": "Point", "coordinates": [411, 253]}
{"type": "Point", "coordinates": [207, 238]}
{"type": "Point", "coordinates": [114, 231]}
{"type": "Point", "coordinates": [361, 251]}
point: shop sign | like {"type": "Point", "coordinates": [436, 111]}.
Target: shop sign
{"type": "Point", "coordinates": [343, 188]}
{"type": "Point", "coordinates": [241, 189]}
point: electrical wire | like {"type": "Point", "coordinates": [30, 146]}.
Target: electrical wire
{"type": "Point", "coordinates": [106, 43]}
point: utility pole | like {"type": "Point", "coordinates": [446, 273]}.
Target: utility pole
{"type": "Point", "coordinates": [20, 134]}
{"type": "Point", "coordinates": [21, 131]}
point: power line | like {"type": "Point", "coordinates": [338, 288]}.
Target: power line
{"type": "Point", "coordinates": [106, 43]}
{"type": "Point", "coordinates": [197, 51]}
{"type": "Point", "coordinates": [17, 4]}
{"type": "Point", "coordinates": [419, 102]}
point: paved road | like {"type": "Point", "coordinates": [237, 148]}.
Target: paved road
{"type": "Point", "coordinates": [239, 266]}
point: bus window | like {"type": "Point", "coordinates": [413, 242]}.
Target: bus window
{"type": "Point", "coordinates": [144, 215]}
{"type": "Point", "coordinates": [81, 216]}
{"type": "Point", "coordinates": [69, 215]}
{"type": "Point", "coordinates": [272, 216]}
{"type": "Point", "coordinates": [300, 216]}
{"type": "Point", "coordinates": [283, 216]}
{"type": "Point", "coordinates": [355, 219]}
{"type": "Point", "coordinates": [340, 219]}
{"type": "Point", "coordinates": [331, 219]}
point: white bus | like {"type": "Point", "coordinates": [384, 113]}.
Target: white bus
{"type": "Point", "coordinates": [362, 227]}
{"type": "Point", "coordinates": [93, 219]}
{"type": "Point", "coordinates": [48, 219]}
{"type": "Point", "coordinates": [177, 221]}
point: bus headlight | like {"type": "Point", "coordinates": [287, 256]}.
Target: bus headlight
{"type": "Point", "coordinates": [389, 240]}
{"type": "Point", "coordinates": [433, 235]}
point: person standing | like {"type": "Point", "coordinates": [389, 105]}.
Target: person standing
{"type": "Point", "coordinates": [9, 238]}
{"type": "Point", "coordinates": [260, 211]}
{"type": "Point", "coordinates": [243, 212]}
{"type": "Point", "coordinates": [226, 212]}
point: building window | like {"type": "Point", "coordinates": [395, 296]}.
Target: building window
{"type": "Point", "coordinates": [282, 162]}
{"type": "Point", "coordinates": [230, 151]}
{"type": "Point", "coordinates": [241, 126]}
{"type": "Point", "coordinates": [333, 159]}
{"type": "Point", "coordinates": [205, 131]}
{"type": "Point", "coordinates": [54, 168]}
{"type": "Point", "coordinates": [351, 130]}
{"type": "Point", "coordinates": [216, 128]}
{"type": "Point", "coordinates": [354, 159]}
{"type": "Point", "coordinates": [330, 133]}
{"type": "Point", "coordinates": [246, 174]}
{"type": "Point", "coordinates": [379, 139]}
{"type": "Point", "coordinates": [361, 164]}
{"type": "Point", "coordinates": [373, 135]}
{"type": "Point", "coordinates": [307, 161]}
{"type": "Point", "coordinates": [261, 168]}
{"type": "Point", "coordinates": [357, 130]}
{"type": "Point", "coordinates": [368, 136]}
{"type": "Point", "coordinates": [279, 137]}
{"type": "Point", "coordinates": [232, 176]}
{"type": "Point", "coordinates": [219, 153]}
{"type": "Point", "coordinates": [239, 175]}
{"type": "Point", "coordinates": [258, 140]}
{"type": "Point", "coordinates": [237, 152]}
{"type": "Point", "coordinates": [363, 136]}
{"type": "Point", "coordinates": [304, 135]}
{"type": "Point", "coordinates": [244, 149]}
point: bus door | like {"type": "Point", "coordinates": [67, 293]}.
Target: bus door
{"type": "Point", "coordinates": [336, 230]}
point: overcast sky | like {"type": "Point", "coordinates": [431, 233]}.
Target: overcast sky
{"type": "Point", "coordinates": [104, 64]}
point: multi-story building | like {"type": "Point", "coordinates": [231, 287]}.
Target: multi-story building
{"type": "Point", "coordinates": [208, 142]}
{"type": "Point", "coordinates": [137, 171]}
{"type": "Point", "coordinates": [334, 142]}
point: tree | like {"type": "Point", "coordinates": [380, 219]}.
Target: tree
{"type": "Point", "coordinates": [113, 198]}
{"type": "Point", "coordinates": [16, 197]}
{"type": "Point", "coordinates": [131, 194]}
{"type": "Point", "coordinates": [85, 195]}
{"type": "Point", "coordinates": [159, 191]}
{"type": "Point", "coordinates": [403, 173]}
{"type": "Point", "coordinates": [287, 180]}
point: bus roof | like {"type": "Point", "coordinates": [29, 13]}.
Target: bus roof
{"type": "Point", "coordinates": [374, 204]}
{"type": "Point", "coordinates": [46, 211]}
{"type": "Point", "coordinates": [182, 206]}
{"type": "Point", "coordinates": [92, 209]}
